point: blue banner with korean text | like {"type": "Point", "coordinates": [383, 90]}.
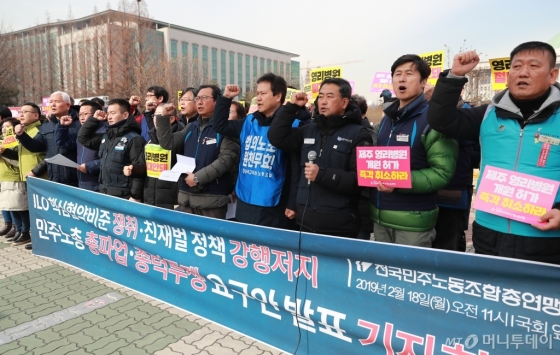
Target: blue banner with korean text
{"type": "Point", "coordinates": [323, 295]}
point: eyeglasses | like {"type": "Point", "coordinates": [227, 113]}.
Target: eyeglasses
{"type": "Point", "coordinates": [24, 112]}
{"type": "Point", "coordinates": [86, 114]}
{"type": "Point", "coordinates": [203, 98]}
{"type": "Point", "coordinates": [186, 100]}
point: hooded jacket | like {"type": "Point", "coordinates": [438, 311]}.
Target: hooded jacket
{"type": "Point", "coordinates": [432, 164]}
{"type": "Point", "coordinates": [119, 146]}
{"type": "Point", "coordinates": [332, 198]}
{"type": "Point", "coordinates": [507, 139]}
{"type": "Point", "coordinates": [44, 141]}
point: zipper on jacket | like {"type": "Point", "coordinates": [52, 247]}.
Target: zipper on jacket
{"type": "Point", "coordinates": [198, 141]}
{"type": "Point", "coordinates": [391, 132]}
{"type": "Point", "coordinates": [388, 142]}
{"type": "Point", "coordinates": [393, 127]}
{"type": "Point", "coordinates": [516, 162]}
{"type": "Point", "coordinates": [323, 139]}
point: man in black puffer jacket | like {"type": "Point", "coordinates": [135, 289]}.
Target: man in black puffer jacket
{"type": "Point", "coordinates": [329, 186]}
{"type": "Point", "coordinates": [120, 146]}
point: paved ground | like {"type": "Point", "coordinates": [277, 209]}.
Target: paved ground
{"type": "Point", "coordinates": [31, 288]}
{"type": "Point", "coordinates": [47, 307]}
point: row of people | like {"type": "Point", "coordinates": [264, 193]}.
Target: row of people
{"type": "Point", "coordinates": [290, 172]}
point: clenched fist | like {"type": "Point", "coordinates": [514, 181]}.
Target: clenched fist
{"type": "Point", "coordinates": [82, 168]}
{"type": "Point", "coordinates": [65, 120]}
{"type": "Point", "coordinates": [464, 62]}
{"type": "Point", "coordinates": [151, 105]}
{"type": "Point", "coordinates": [134, 101]}
{"type": "Point", "coordinates": [19, 129]}
{"type": "Point", "coordinates": [127, 170]}
{"type": "Point", "coordinates": [168, 109]}
{"type": "Point", "coordinates": [232, 91]}
{"type": "Point", "coordinates": [100, 115]}
{"type": "Point", "coordinates": [299, 98]}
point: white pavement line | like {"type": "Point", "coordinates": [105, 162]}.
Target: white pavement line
{"type": "Point", "coordinates": [55, 318]}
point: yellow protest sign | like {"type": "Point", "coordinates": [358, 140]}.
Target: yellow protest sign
{"type": "Point", "coordinates": [9, 140]}
{"type": "Point", "coordinates": [290, 93]}
{"type": "Point", "coordinates": [253, 106]}
{"type": "Point", "coordinates": [499, 68]}
{"type": "Point", "coordinates": [179, 94]}
{"type": "Point", "coordinates": [307, 90]}
{"type": "Point", "coordinates": [157, 159]}
{"type": "Point", "coordinates": [317, 75]}
{"type": "Point", "coordinates": [436, 61]}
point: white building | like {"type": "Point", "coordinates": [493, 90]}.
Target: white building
{"type": "Point", "coordinates": [224, 60]}
{"type": "Point", "coordinates": [99, 55]}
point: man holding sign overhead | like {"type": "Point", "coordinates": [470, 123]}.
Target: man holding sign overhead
{"type": "Point", "coordinates": [408, 215]}
{"type": "Point", "coordinates": [517, 203]}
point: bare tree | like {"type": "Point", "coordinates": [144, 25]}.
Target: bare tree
{"type": "Point", "coordinates": [115, 53]}
{"type": "Point", "coordinates": [8, 78]}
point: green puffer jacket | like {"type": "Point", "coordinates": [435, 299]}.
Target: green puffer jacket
{"type": "Point", "coordinates": [414, 209]}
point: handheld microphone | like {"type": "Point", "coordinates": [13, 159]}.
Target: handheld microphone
{"type": "Point", "coordinates": [312, 155]}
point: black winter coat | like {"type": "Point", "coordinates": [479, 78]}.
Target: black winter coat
{"type": "Point", "coordinates": [134, 154]}
{"type": "Point", "coordinates": [340, 181]}
{"type": "Point", "coordinates": [158, 192]}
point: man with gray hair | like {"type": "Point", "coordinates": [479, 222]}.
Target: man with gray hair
{"type": "Point", "coordinates": [44, 141]}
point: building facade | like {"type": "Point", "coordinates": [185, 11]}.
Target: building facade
{"type": "Point", "coordinates": [119, 54]}
{"type": "Point", "coordinates": [219, 60]}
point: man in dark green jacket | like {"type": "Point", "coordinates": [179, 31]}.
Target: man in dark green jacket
{"type": "Point", "coordinates": [408, 216]}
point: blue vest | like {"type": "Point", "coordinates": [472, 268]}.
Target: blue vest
{"type": "Point", "coordinates": [505, 145]}
{"type": "Point", "coordinates": [406, 132]}
{"type": "Point", "coordinates": [204, 147]}
{"type": "Point", "coordinates": [261, 168]}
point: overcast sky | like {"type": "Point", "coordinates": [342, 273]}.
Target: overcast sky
{"type": "Point", "coordinates": [329, 32]}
